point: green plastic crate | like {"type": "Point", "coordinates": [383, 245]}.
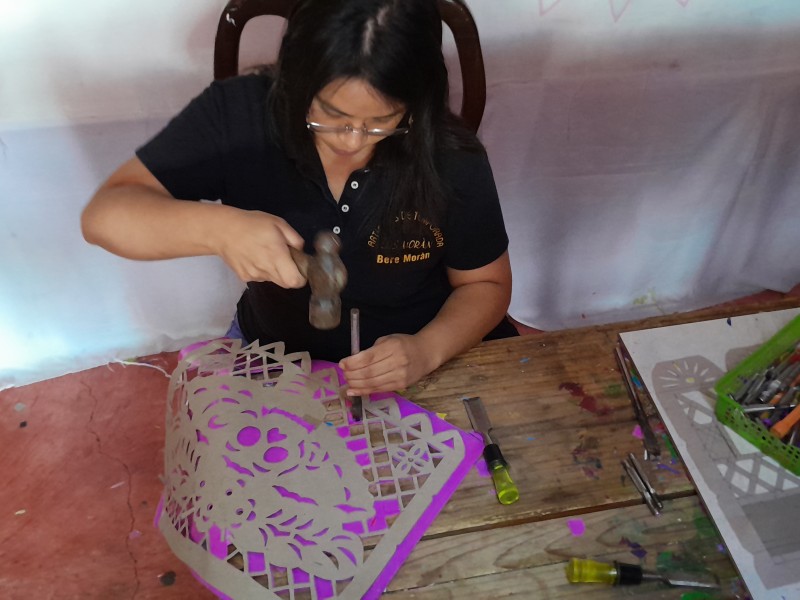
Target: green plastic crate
{"type": "Point", "coordinates": [730, 413]}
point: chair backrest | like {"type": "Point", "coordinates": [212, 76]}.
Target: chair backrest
{"type": "Point", "coordinates": [454, 13]}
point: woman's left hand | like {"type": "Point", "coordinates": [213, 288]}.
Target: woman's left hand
{"type": "Point", "coordinates": [394, 363]}
{"type": "Point", "coordinates": [478, 302]}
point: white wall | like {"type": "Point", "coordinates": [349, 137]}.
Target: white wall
{"type": "Point", "coordinates": [83, 83]}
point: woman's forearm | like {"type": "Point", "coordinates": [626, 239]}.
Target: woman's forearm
{"type": "Point", "coordinates": [138, 222]}
{"type": "Point", "coordinates": [471, 311]}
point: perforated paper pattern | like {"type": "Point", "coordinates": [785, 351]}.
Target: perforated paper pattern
{"type": "Point", "coordinates": [753, 500]}
{"type": "Point", "coordinates": [271, 491]}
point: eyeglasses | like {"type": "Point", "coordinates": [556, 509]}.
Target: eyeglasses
{"type": "Point", "coordinates": [349, 129]}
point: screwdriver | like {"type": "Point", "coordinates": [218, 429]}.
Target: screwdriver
{"type": "Point", "coordinates": [507, 492]}
{"type": "Point", "coordinates": [582, 570]}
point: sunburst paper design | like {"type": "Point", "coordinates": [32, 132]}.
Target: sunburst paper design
{"type": "Point", "coordinates": [690, 381]}
{"type": "Point", "coordinates": [617, 7]}
{"type": "Point", "coordinates": [272, 491]}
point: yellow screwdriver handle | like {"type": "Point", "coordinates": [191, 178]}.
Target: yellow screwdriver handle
{"type": "Point", "coordinates": [582, 570]}
{"type": "Point", "coordinates": [506, 489]}
{"type": "Point", "coordinates": [507, 492]}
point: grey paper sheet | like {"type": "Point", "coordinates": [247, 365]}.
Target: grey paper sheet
{"type": "Point", "coordinates": [753, 501]}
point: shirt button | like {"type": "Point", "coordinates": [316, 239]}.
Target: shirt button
{"type": "Point", "coordinates": [345, 208]}
{"type": "Point", "coordinates": [337, 230]}
{"type": "Point", "coordinates": [354, 185]}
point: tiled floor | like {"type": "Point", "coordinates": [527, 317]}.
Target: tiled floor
{"type": "Point", "coordinates": [81, 457]}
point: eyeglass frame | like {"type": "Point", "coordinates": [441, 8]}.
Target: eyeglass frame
{"type": "Point", "coordinates": [349, 129]}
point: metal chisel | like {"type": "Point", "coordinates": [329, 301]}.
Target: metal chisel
{"type": "Point", "coordinates": [356, 408]}
{"type": "Point", "coordinates": [507, 492]}
{"type": "Point", "coordinates": [649, 439]}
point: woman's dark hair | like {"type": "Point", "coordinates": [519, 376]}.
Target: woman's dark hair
{"type": "Point", "coordinates": [396, 47]}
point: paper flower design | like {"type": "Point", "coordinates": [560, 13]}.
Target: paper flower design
{"type": "Point", "coordinates": [617, 7]}
{"type": "Point", "coordinates": [414, 460]}
{"type": "Point", "coordinates": [690, 373]}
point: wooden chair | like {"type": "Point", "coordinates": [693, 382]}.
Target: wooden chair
{"type": "Point", "coordinates": [454, 13]}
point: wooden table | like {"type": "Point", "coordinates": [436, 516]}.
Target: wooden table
{"type": "Point", "coordinates": [82, 456]}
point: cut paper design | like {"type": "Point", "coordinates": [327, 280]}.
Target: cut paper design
{"type": "Point", "coordinates": [546, 5]}
{"type": "Point", "coordinates": [753, 501]}
{"type": "Point", "coordinates": [271, 491]}
{"type": "Point", "coordinates": [617, 7]}
{"type": "Point", "coordinates": [748, 472]}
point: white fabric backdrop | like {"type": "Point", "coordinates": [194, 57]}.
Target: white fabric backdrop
{"type": "Point", "coordinates": [645, 152]}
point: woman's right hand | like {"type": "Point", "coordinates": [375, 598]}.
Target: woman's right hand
{"type": "Point", "coordinates": [256, 246]}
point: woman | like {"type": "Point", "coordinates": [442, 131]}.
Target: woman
{"type": "Point", "coordinates": [348, 132]}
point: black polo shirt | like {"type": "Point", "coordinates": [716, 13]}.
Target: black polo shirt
{"type": "Point", "coordinates": [218, 147]}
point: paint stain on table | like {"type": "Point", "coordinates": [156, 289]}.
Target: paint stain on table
{"type": "Point", "coordinates": [585, 454]}
{"type": "Point", "coordinates": [588, 403]}
{"type": "Point", "coordinates": [636, 548]}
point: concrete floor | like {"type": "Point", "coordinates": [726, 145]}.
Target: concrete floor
{"type": "Point", "coordinates": [81, 461]}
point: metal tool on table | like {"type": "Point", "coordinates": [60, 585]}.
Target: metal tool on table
{"type": "Point", "coordinates": [784, 378]}
{"type": "Point", "coordinates": [781, 402]}
{"type": "Point", "coordinates": [357, 407]}
{"type": "Point", "coordinates": [327, 276]}
{"type": "Point", "coordinates": [581, 570]}
{"type": "Point", "coordinates": [770, 396]}
{"type": "Point", "coordinates": [769, 408]}
{"type": "Point", "coordinates": [507, 492]}
{"type": "Point", "coordinates": [640, 481]}
{"type": "Point", "coordinates": [769, 386]}
{"type": "Point", "coordinates": [794, 435]}
{"type": "Point", "coordinates": [786, 392]}
{"type": "Point", "coordinates": [651, 446]}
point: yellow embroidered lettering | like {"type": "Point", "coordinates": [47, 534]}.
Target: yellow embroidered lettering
{"type": "Point", "coordinates": [415, 257]}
